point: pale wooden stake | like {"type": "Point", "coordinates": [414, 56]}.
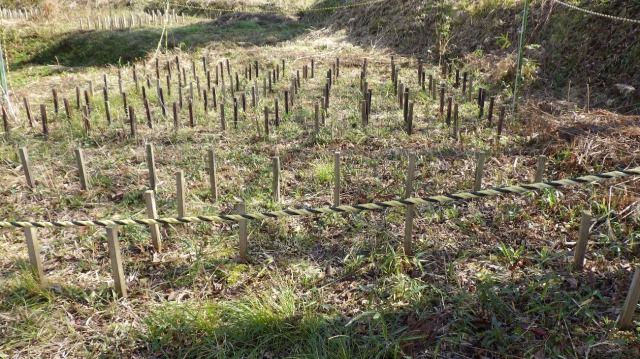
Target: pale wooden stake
{"type": "Point", "coordinates": [213, 174]}
{"type": "Point", "coordinates": [117, 271]}
{"type": "Point", "coordinates": [35, 261]}
{"type": "Point", "coordinates": [408, 191]}
{"type": "Point", "coordinates": [156, 239]}
{"type": "Point", "coordinates": [181, 193]}
{"type": "Point", "coordinates": [542, 160]}
{"type": "Point", "coordinates": [583, 240]}
{"type": "Point", "coordinates": [242, 232]}
{"type": "Point", "coordinates": [275, 187]}
{"type": "Point", "coordinates": [82, 171]}
{"type": "Point", "coordinates": [479, 171]}
{"type": "Point", "coordinates": [336, 179]}
{"type": "Point", "coordinates": [151, 165]}
{"type": "Point", "coordinates": [26, 166]}
{"type": "Point", "coordinates": [628, 309]}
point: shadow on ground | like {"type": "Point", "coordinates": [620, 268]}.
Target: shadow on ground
{"type": "Point", "coordinates": [99, 48]}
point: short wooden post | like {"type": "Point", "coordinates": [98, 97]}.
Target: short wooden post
{"type": "Point", "coordinates": [408, 188]}
{"type": "Point", "coordinates": [192, 122]}
{"type": "Point", "coordinates": [117, 270]}
{"type": "Point", "coordinates": [241, 208]}
{"type": "Point", "coordinates": [628, 309]}
{"type": "Point", "coordinates": [336, 179]}
{"type": "Point", "coordinates": [275, 187]}
{"type": "Point", "coordinates": [156, 239]}
{"type": "Point", "coordinates": [56, 105]}
{"type": "Point", "coordinates": [223, 124]}
{"type": "Point", "coordinates": [479, 171]}
{"type": "Point", "coordinates": [410, 119]}
{"type": "Point", "coordinates": [132, 121]}
{"type": "Point", "coordinates": [455, 121]}
{"type": "Point", "coordinates": [82, 171]}
{"type": "Point", "coordinates": [588, 97]}
{"type": "Point", "coordinates": [408, 191]}
{"type": "Point", "coordinates": [266, 122]}
{"type": "Point", "coordinates": [213, 174]}
{"type": "Point", "coordinates": [45, 126]}
{"type": "Point", "coordinates": [26, 166]}
{"type": "Point", "coordinates": [277, 113]}
{"type": "Point", "coordinates": [180, 198]}
{"type": "Point", "coordinates": [151, 165]}
{"type": "Point", "coordinates": [317, 117]}
{"type": "Point", "coordinates": [35, 261]}
{"type": "Point", "coordinates": [67, 109]}
{"type": "Point", "coordinates": [542, 160]}
{"type": "Point", "coordinates": [449, 103]}
{"type": "Point", "coordinates": [492, 100]}
{"type": "Point", "coordinates": [27, 109]}
{"type": "Point", "coordinates": [501, 120]}
{"type": "Point", "coordinates": [583, 240]}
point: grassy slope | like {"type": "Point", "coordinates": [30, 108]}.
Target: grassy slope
{"type": "Point", "coordinates": [489, 277]}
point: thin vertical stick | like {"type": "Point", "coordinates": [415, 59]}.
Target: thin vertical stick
{"type": "Point", "coordinates": [45, 126]}
{"type": "Point", "coordinates": [626, 314]}
{"type": "Point", "coordinates": [455, 121]}
{"type": "Point", "coordinates": [540, 169]}
{"type": "Point", "coordinates": [583, 240]}
{"type": "Point", "coordinates": [35, 261]}
{"type": "Point", "coordinates": [241, 208]}
{"type": "Point", "coordinates": [132, 121]}
{"type": "Point", "coordinates": [479, 171]}
{"type": "Point", "coordinates": [176, 122]}
{"type": "Point", "coordinates": [408, 230]}
{"type": "Point", "coordinates": [336, 179]}
{"type": "Point", "coordinates": [180, 193]}
{"type": "Point", "coordinates": [147, 109]}
{"type": "Point", "coordinates": [266, 122]}
{"type": "Point", "coordinates": [27, 108]}
{"type": "Point", "coordinates": [151, 166]}
{"type": "Point", "coordinates": [156, 239]}
{"type": "Point", "coordinates": [588, 97]}
{"type": "Point", "coordinates": [410, 119]}
{"type": "Point", "coordinates": [67, 109]}
{"type": "Point", "coordinates": [26, 166]}
{"type": "Point", "coordinates": [275, 187]}
{"type": "Point", "coordinates": [213, 174]}
{"type": "Point", "coordinates": [116, 262]}
{"type": "Point", "coordinates": [82, 171]}
{"type": "Point", "coordinates": [5, 121]}
{"type": "Point", "coordinates": [501, 120]}
{"type": "Point", "coordinates": [408, 188]}
{"type": "Point", "coordinates": [223, 124]}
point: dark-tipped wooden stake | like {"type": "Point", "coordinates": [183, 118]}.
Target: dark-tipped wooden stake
{"type": "Point", "coordinates": [5, 123]}
{"type": "Point", "coordinates": [117, 270]}
{"type": "Point", "coordinates": [67, 110]}
{"type": "Point", "coordinates": [455, 122]}
{"type": "Point", "coordinates": [441, 111]}
{"type": "Point", "coordinates": [132, 121]}
{"type": "Point", "coordinates": [449, 103]}
{"type": "Point", "coordinates": [151, 166]}
{"type": "Point", "coordinates": [85, 120]}
{"type": "Point", "coordinates": [56, 106]}
{"type": "Point", "coordinates": [43, 115]}
{"type": "Point", "coordinates": [492, 99]}
{"type": "Point", "coordinates": [410, 119]}
{"type": "Point", "coordinates": [192, 122]}
{"type": "Point", "coordinates": [277, 113]}
{"type": "Point", "coordinates": [27, 109]}
{"type": "Point", "coordinates": [176, 122]}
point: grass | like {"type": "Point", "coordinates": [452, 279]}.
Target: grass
{"type": "Point", "coordinates": [490, 277]}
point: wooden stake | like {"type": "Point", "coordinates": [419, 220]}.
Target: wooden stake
{"type": "Point", "coordinates": [116, 262]}
{"type": "Point", "coordinates": [35, 260]}
{"type": "Point", "coordinates": [336, 179]}
{"type": "Point", "coordinates": [410, 119]}
{"type": "Point", "coordinates": [26, 166]}
{"type": "Point", "coordinates": [156, 239]}
{"type": "Point", "coordinates": [266, 122]}
{"type": "Point", "coordinates": [5, 121]}
{"type": "Point", "coordinates": [479, 171]}
{"type": "Point", "coordinates": [27, 109]}
{"type": "Point", "coordinates": [176, 122]}
{"type": "Point", "coordinates": [581, 246]}
{"type": "Point", "coordinates": [132, 122]}
{"type": "Point", "coordinates": [151, 166]}
{"type": "Point", "coordinates": [317, 117]}
{"type": "Point", "coordinates": [626, 314]}
{"type": "Point", "coordinates": [43, 115]}
{"type": "Point", "coordinates": [223, 124]}
{"type": "Point", "coordinates": [275, 187]}
{"type": "Point", "coordinates": [213, 175]}
{"type": "Point", "coordinates": [67, 109]}
{"type": "Point", "coordinates": [241, 208]}
{"type": "Point", "coordinates": [180, 199]}
{"type": "Point", "coordinates": [82, 171]}
{"type": "Point", "coordinates": [408, 230]}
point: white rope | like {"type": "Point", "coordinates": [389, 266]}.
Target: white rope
{"type": "Point", "coordinates": [611, 17]}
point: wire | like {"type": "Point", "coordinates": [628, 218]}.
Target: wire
{"type": "Point", "coordinates": [611, 17]}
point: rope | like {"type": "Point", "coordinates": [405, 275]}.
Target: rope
{"type": "Point", "coordinates": [517, 189]}
{"type": "Point", "coordinates": [611, 17]}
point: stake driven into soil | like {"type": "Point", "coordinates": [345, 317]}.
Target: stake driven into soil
{"type": "Point", "coordinates": [499, 191]}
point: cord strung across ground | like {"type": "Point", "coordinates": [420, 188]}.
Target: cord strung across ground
{"type": "Point", "coordinates": [499, 191]}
